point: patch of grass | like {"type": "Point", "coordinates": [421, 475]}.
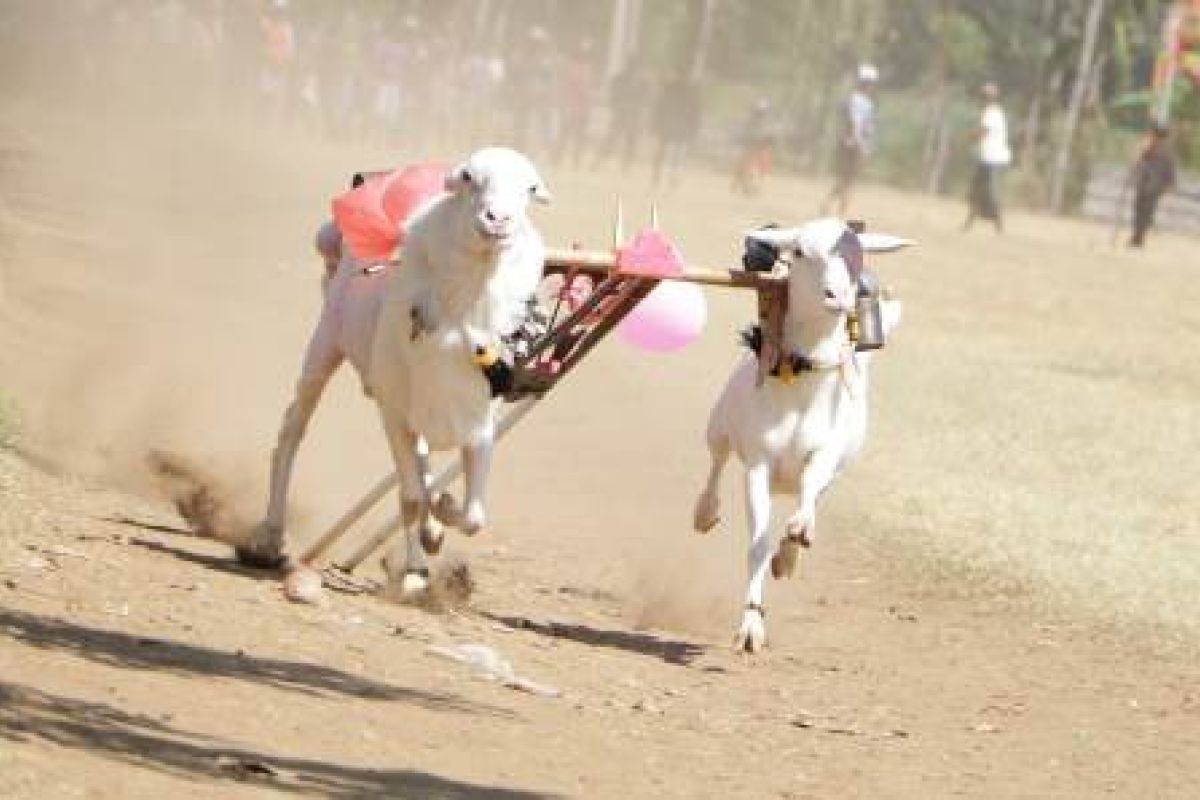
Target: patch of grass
{"type": "Point", "coordinates": [1024, 444]}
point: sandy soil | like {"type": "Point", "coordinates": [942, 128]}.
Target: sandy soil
{"type": "Point", "coordinates": [1001, 604]}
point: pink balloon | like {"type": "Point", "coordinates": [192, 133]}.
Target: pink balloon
{"type": "Point", "coordinates": [670, 318]}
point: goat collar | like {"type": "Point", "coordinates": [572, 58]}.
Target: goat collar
{"type": "Point", "coordinates": [788, 366]}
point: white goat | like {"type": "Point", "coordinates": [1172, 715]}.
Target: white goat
{"type": "Point", "coordinates": [793, 434]}
{"type": "Point", "coordinates": [474, 241]}
{"type": "Point", "coordinates": [471, 261]}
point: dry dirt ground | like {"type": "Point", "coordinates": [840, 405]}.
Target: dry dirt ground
{"type": "Point", "coordinates": [1001, 604]}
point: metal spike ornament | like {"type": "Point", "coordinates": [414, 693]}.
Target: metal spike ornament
{"type": "Point", "coordinates": [618, 225]}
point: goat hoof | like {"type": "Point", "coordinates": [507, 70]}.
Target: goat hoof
{"type": "Point", "coordinates": [707, 515]}
{"type": "Point", "coordinates": [256, 559]}
{"type": "Point", "coordinates": [414, 584]}
{"type": "Point", "coordinates": [797, 532]}
{"type": "Point", "coordinates": [751, 646]}
{"type": "Point", "coordinates": [752, 636]}
{"type": "Point", "coordinates": [445, 510]}
{"type": "Point", "coordinates": [249, 557]}
{"type": "Point", "coordinates": [750, 643]}
{"type": "Point", "coordinates": [783, 563]}
{"type": "Point", "coordinates": [432, 539]}
{"type": "Point", "coordinates": [263, 549]}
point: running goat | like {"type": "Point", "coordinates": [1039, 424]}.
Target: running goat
{"type": "Point", "coordinates": [795, 431]}
{"type": "Point", "coordinates": [472, 261]}
{"type": "Point", "coordinates": [416, 333]}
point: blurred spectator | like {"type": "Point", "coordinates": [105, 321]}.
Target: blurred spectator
{"type": "Point", "coordinates": [483, 79]}
{"type": "Point", "coordinates": [239, 55]}
{"type": "Point", "coordinates": [577, 93]}
{"type": "Point", "coordinates": [757, 145]}
{"type": "Point", "coordinates": [676, 124]}
{"type": "Point", "coordinates": [278, 53]}
{"type": "Point", "coordinates": [389, 72]}
{"type": "Point", "coordinates": [626, 106]}
{"type": "Point", "coordinates": [1153, 175]}
{"type": "Point", "coordinates": [992, 155]}
{"type": "Point", "coordinates": [348, 79]}
{"type": "Point", "coordinates": [532, 89]}
{"type": "Point", "coordinates": [856, 140]}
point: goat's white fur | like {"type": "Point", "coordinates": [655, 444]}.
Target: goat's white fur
{"type": "Point", "coordinates": [469, 260]}
{"type": "Point", "coordinates": [793, 438]}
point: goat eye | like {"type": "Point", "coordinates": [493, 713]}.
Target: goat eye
{"type": "Point", "coordinates": [533, 189]}
{"type": "Point", "coordinates": [465, 176]}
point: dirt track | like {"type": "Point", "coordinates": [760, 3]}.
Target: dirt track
{"type": "Point", "coordinates": [1001, 604]}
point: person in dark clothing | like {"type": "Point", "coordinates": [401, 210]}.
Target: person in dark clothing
{"type": "Point", "coordinates": [676, 123]}
{"type": "Point", "coordinates": [627, 105]}
{"type": "Point", "coordinates": [1153, 175]}
{"type": "Point", "coordinates": [757, 146]}
{"type": "Point", "coordinates": [856, 140]}
{"type": "Point", "coordinates": [992, 155]}
{"type": "Point", "coordinates": [576, 97]}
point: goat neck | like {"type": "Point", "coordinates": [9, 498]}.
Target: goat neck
{"type": "Point", "coordinates": [811, 329]}
{"type": "Point", "coordinates": [474, 281]}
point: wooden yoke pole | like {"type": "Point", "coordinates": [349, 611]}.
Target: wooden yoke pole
{"type": "Point", "coordinates": [356, 512]}
{"type": "Point", "coordinates": [595, 262]}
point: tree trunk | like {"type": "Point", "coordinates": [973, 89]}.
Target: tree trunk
{"type": "Point", "coordinates": [1033, 117]}
{"type": "Point", "coordinates": [1083, 72]}
{"type": "Point", "coordinates": [941, 154]}
{"type": "Point", "coordinates": [937, 139]}
{"type": "Point", "coordinates": [708, 13]}
{"type": "Point", "coordinates": [633, 33]}
{"type": "Point", "coordinates": [618, 31]}
{"type": "Point", "coordinates": [497, 24]}
{"type": "Point", "coordinates": [483, 13]}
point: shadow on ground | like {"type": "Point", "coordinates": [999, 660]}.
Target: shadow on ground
{"type": "Point", "coordinates": [29, 715]}
{"type": "Point", "coordinates": [118, 649]}
{"type": "Point", "coordinates": [672, 651]}
{"type": "Point", "coordinates": [217, 563]}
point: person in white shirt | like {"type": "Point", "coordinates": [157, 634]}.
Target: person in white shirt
{"type": "Point", "coordinates": [856, 139]}
{"type": "Point", "coordinates": [992, 156]}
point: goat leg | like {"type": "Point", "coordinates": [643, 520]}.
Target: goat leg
{"type": "Point", "coordinates": [264, 548]}
{"type": "Point", "coordinates": [752, 635]}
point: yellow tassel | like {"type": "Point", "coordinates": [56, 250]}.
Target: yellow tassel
{"type": "Point", "coordinates": [786, 373]}
{"type": "Point", "coordinates": [852, 328]}
{"type": "Point", "coordinates": [485, 356]}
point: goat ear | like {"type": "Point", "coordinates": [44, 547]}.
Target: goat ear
{"type": "Point", "coordinates": [777, 237]}
{"type": "Point", "coordinates": [457, 179]}
{"type": "Point", "coordinates": [882, 242]}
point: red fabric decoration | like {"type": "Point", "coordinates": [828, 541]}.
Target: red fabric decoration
{"type": "Point", "coordinates": [371, 217]}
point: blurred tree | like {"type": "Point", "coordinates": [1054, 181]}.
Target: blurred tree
{"type": "Point", "coordinates": [704, 29]}
{"type": "Point", "coordinates": [937, 138]}
{"type": "Point", "coordinates": [1083, 72]}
